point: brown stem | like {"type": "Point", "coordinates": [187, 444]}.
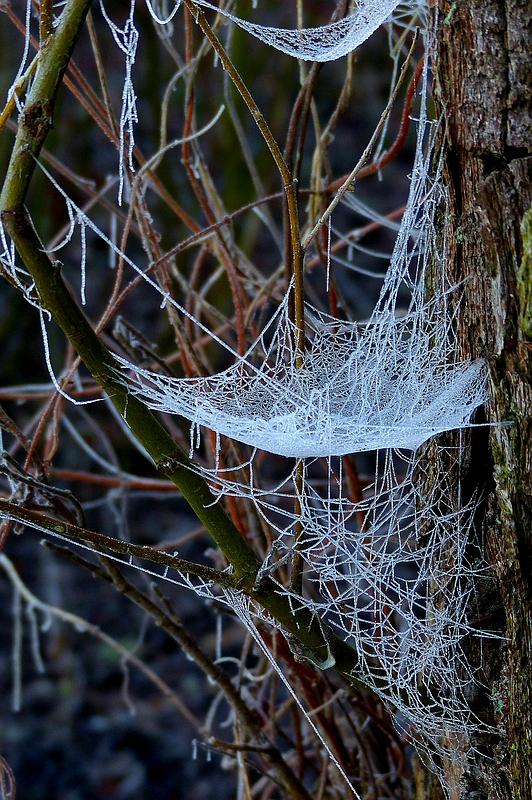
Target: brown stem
{"type": "Point", "coordinates": [47, 524]}
{"type": "Point", "coordinates": [286, 175]}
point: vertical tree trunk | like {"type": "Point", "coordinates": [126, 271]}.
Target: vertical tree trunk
{"type": "Point", "coordinates": [483, 83]}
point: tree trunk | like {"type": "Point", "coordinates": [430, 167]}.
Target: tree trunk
{"type": "Point", "coordinates": [483, 84]}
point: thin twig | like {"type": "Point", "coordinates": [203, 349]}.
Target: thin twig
{"type": "Point", "coordinates": [46, 524]}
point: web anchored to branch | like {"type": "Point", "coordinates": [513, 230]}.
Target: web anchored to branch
{"type": "Point", "coordinates": [387, 572]}
{"type": "Point", "coordinates": [324, 43]}
{"type": "Point", "coordinates": [385, 569]}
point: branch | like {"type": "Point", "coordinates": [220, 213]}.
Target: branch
{"type": "Point", "coordinates": [47, 524]}
{"type": "Point", "coordinates": [282, 166]}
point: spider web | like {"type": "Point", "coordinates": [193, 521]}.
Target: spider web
{"type": "Point", "coordinates": [388, 572]}
{"type": "Point", "coordinates": [323, 43]}
{"type": "Point", "coordinates": [389, 383]}
{"type": "Point", "coordinates": [396, 587]}
{"type": "Point", "coordinates": [380, 385]}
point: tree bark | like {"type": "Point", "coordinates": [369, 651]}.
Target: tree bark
{"type": "Point", "coordinates": [482, 59]}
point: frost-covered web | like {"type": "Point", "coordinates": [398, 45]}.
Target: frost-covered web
{"type": "Point", "coordinates": [395, 586]}
{"type": "Point", "coordinates": [410, 14]}
{"type": "Point", "coordinates": [391, 382]}
{"type": "Point", "coordinates": [388, 572]}
{"type": "Point", "coordinates": [323, 43]}
{"type": "Point", "coordinates": [384, 384]}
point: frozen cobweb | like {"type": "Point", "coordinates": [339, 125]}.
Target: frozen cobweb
{"type": "Point", "coordinates": [323, 43]}
{"type": "Point", "coordinates": [127, 40]}
{"type": "Point", "coordinates": [391, 382]}
{"type": "Point", "coordinates": [362, 387]}
{"type": "Point", "coordinates": [326, 42]}
{"type": "Point", "coordinates": [388, 572]}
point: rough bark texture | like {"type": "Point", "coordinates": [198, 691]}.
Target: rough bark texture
{"type": "Point", "coordinates": [483, 81]}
